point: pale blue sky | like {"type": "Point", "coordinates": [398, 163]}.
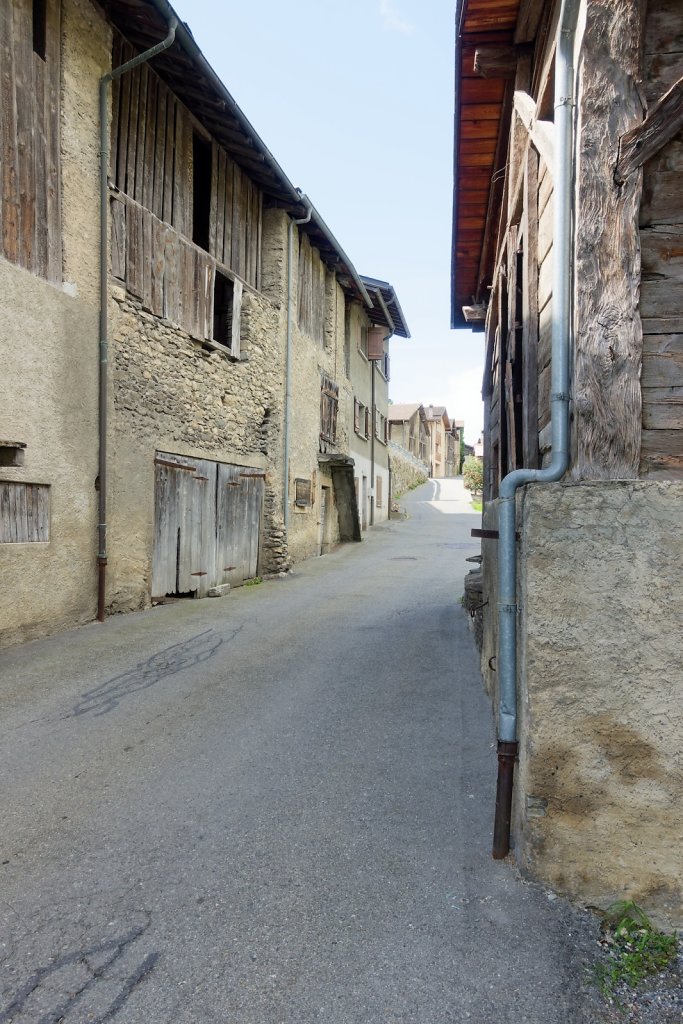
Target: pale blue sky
{"type": "Point", "coordinates": [355, 102]}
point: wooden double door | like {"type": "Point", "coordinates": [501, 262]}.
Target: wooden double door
{"type": "Point", "coordinates": [207, 524]}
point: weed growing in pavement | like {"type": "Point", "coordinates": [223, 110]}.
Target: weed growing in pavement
{"type": "Point", "coordinates": [253, 582]}
{"type": "Point", "coordinates": [636, 949]}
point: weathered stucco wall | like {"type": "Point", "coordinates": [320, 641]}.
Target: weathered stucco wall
{"type": "Point", "coordinates": [48, 385]}
{"type": "Point", "coordinates": [600, 812]}
{"type": "Point", "coordinates": [48, 400]}
{"type": "Point", "coordinates": [311, 358]}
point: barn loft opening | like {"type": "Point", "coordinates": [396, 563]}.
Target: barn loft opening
{"type": "Point", "coordinates": [40, 27]}
{"type": "Point", "coordinates": [223, 299]}
{"type": "Point", "coordinates": [201, 191]}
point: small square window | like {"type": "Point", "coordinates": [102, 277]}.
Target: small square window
{"type": "Point", "coordinates": [303, 493]}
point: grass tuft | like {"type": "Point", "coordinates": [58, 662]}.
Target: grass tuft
{"type": "Point", "coordinates": [636, 949]}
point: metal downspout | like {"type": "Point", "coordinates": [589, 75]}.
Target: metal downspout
{"type": "Point", "coordinates": [142, 58]}
{"type": "Point", "coordinates": [561, 333]}
{"type": "Point", "coordinates": [288, 357]}
{"type": "Point", "coordinates": [372, 443]}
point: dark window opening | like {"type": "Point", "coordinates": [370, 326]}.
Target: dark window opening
{"type": "Point", "coordinates": [40, 27]}
{"type": "Point", "coordinates": [201, 191]}
{"type": "Point", "coordinates": [223, 301]}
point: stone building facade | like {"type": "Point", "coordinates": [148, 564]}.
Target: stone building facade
{"type": "Point", "coordinates": [200, 412]}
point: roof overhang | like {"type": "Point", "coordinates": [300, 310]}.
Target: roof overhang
{"type": "Point", "coordinates": [386, 310]}
{"type": "Point", "coordinates": [483, 101]}
{"type": "Point", "coordinates": [189, 75]}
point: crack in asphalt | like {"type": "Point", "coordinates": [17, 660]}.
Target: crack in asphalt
{"type": "Point", "coordinates": [118, 946]}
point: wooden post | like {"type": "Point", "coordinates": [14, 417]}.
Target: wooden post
{"type": "Point", "coordinates": [607, 395]}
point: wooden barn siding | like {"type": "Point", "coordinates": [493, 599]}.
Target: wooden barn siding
{"type": "Point", "coordinates": [151, 162]}
{"type": "Point", "coordinates": [30, 216]}
{"type": "Point", "coordinates": [312, 293]}
{"type": "Point", "coordinates": [661, 234]}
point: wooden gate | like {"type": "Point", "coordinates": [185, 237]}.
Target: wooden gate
{"type": "Point", "coordinates": [207, 524]}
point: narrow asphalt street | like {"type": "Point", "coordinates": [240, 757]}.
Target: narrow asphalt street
{"type": "Point", "coordinates": [274, 808]}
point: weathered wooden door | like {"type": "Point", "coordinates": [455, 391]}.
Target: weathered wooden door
{"type": "Point", "coordinates": [207, 525]}
{"type": "Point", "coordinates": [239, 505]}
{"type": "Point", "coordinates": [184, 512]}
{"type": "Point", "coordinates": [322, 530]}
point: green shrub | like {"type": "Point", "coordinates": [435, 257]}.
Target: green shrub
{"type": "Point", "coordinates": [473, 474]}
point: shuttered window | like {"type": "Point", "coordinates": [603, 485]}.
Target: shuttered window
{"type": "Point", "coordinates": [329, 400]}
{"type": "Point", "coordinates": [378, 491]}
{"type": "Point", "coordinates": [24, 512]}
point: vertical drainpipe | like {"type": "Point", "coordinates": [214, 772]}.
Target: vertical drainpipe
{"type": "Point", "coordinates": [288, 358]}
{"type": "Point", "coordinates": [372, 443]}
{"type": "Point", "coordinates": [561, 334]}
{"type": "Point", "coordinates": [142, 58]}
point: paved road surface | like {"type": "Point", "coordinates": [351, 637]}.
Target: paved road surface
{"type": "Point", "coordinates": [274, 808]}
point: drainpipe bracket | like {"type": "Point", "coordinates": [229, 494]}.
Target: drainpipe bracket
{"type": "Point", "coordinates": [560, 396]}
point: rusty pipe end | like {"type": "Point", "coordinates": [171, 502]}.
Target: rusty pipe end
{"type": "Point", "coordinates": [101, 586]}
{"type": "Point", "coordinates": [507, 755]}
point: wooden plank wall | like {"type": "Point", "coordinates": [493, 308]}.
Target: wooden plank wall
{"type": "Point", "coordinates": [311, 308]}
{"type": "Point", "coordinates": [30, 215]}
{"type": "Point", "coordinates": [661, 234]}
{"type": "Point", "coordinates": [172, 277]}
{"type": "Point", "coordinates": [545, 294]}
{"type": "Point", "coordinates": [151, 162]}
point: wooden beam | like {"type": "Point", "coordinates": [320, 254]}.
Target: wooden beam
{"type": "Point", "coordinates": [542, 133]}
{"type": "Point", "coordinates": [495, 61]}
{"type": "Point", "coordinates": [609, 341]}
{"type": "Point", "coordinates": [529, 16]}
{"type": "Point", "coordinates": [645, 140]}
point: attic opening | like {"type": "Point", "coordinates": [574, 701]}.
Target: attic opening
{"type": "Point", "coordinates": [40, 27]}
{"type": "Point", "coordinates": [223, 302]}
{"type": "Point", "coordinates": [201, 191]}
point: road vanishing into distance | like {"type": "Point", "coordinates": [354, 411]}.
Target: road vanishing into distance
{"type": "Point", "coordinates": [274, 808]}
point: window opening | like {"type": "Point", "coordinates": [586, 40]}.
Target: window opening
{"type": "Point", "coordinates": [201, 191]}
{"type": "Point", "coordinates": [40, 28]}
{"type": "Point", "coordinates": [223, 303]}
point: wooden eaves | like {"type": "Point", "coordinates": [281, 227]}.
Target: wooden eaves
{"type": "Point", "coordinates": [489, 34]}
{"type": "Point", "coordinates": [386, 311]}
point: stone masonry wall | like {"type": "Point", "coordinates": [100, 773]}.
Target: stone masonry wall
{"type": "Point", "coordinates": [600, 787]}
{"type": "Point", "coordinates": [171, 394]}
{"type": "Point", "coordinates": [406, 471]}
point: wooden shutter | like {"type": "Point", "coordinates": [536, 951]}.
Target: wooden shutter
{"type": "Point", "coordinates": [24, 512]}
{"type": "Point", "coordinates": [376, 343]}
